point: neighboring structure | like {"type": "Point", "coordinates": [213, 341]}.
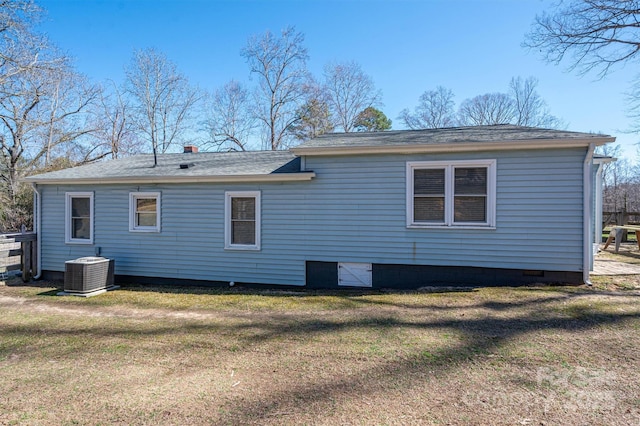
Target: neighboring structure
{"type": "Point", "coordinates": [488, 205]}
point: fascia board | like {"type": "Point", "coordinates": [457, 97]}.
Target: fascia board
{"type": "Point", "coordinates": [280, 177]}
{"type": "Point", "coordinates": [453, 147]}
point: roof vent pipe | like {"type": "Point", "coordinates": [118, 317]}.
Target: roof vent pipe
{"type": "Point", "coordinates": [190, 149]}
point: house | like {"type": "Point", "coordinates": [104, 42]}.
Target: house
{"type": "Point", "coordinates": [487, 205]}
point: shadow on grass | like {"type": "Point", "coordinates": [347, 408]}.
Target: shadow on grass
{"type": "Point", "coordinates": [354, 296]}
{"type": "Point", "coordinates": [481, 336]}
{"type": "Point", "coordinates": [17, 282]}
{"type": "Point", "coordinates": [50, 292]}
{"type": "Point", "coordinates": [485, 333]}
{"type": "Point", "coordinates": [348, 298]}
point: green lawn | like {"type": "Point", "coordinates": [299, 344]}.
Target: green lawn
{"type": "Point", "coordinates": [139, 355]}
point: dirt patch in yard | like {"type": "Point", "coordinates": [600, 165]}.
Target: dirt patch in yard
{"type": "Point", "coordinates": [490, 356]}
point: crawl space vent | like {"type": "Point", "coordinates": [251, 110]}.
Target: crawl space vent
{"type": "Point", "coordinates": [355, 274]}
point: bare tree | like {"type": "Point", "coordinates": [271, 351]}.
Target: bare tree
{"type": "Point", "coordinates": [595, 34]}
{"type": "Point", "coordinates": [20, 47]}
{"type": "Point", "coordinates": [350, 91]}
{"type": "Point", "coordinates": [435, 109]}
{"type": "Point", "coordinates": [487, 109]}
{"type": "Point", "coordinates": [619, 194]}
{"type": "Point", "coordinates": [28, 67]}
{"type": "Point", "coordinates": [280, 64]}
{"type": "Point", "coordinates": [44, 108]}
{"type": "Point", "coordinates": [162, 99]}
{"type": "Point", "coordinates": [591, 35]}
{"type": "Point", "coordinates": [66, 114]}
{"type": "Point", "coordinates": [41, 109]}
{"type": "Point", "coordinates": [229, 118]}
{"type": "Point", "coordinates": [313, 118]}
{"type": "Point", "coordinates": [18, 105]}
{"type": "Point", "coordinates": [522, 106]}
{"type": "Point", "coordinates": [40, 99]}
{"type": "Point", "coordinates": [530, 108]}
{"type": "Point", "coordinates": [114, 134]}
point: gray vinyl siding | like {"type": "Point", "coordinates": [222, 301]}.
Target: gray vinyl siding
{"type": "Point", "coordinates": [353, 211]}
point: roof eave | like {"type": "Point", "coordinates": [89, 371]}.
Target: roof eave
{"type": "Point", "coordinates": [274, 177]}
{"type": "Point", "coordinates": [454, 147]}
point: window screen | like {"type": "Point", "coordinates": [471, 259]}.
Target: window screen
{"type": "Point", "coordinates": [243, 220]}
{"type": "Point", "coordinates": [429, 195]}
{"type": "Point", "coordinates": [470, 194]}
{"type": "Point", "coordinates": [455, 193]}
{"type": "Point", "coordinates": [81, 218]}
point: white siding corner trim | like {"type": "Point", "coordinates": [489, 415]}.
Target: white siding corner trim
{"type": "Point", "coordinates": [447, 197]}
{"type": "Point", "coordinates": [136, 221]}
{"type": "Point", "coordinates": [78, 229]}
{"type": "Point", "coordinates": [238, 234]}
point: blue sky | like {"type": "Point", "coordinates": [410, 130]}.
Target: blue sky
{"type": "Point", "coordinates": [469, 46]}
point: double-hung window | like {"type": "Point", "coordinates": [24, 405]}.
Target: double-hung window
{"type": "Point", "coordinates": [242, 220]}
{"type": "Point", "coordinates": [451, 193]}
{"type": "Point", "coordinates": [144, 212]}
{"type": "Point", "coordinates": [79, 218]}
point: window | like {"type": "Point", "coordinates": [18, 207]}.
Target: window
{"type": "Point", "coordinates": [144, 212]}
{"type": "Point", "coordinates": [242, 220]}
{"type": "Point", "coordinates": [79, 218]}
{"type": "Point", "coordinates": [455, 193]}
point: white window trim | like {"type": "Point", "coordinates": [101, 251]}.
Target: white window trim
{"type": "Point", "coordinates": [228, 195]}
{"type": "Point", "coordinates": [449, 167]}
{"type": "Point", "coordinates": [133, 196]}
{"type": "Point", "coordinates": [67, 218]}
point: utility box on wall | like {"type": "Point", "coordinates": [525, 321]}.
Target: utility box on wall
{"type": "Point", "coordinates": [88, 274]}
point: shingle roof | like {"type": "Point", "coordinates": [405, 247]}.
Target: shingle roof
{"type": "Point", "coordinates": [285, 165]}
{"type": "Point", "coordinates": [452, 135]}
{"type": "Point", "coordinates": [201, 165]}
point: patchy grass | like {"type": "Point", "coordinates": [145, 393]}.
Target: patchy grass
{"type": "Point", "coordinates": [628, 253]}
{"type": "Point", "coordinates": [617, 282]}
{"type": "Point", "coordinates": [140, 355]}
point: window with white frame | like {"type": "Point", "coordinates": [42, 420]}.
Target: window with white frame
{"type": "Point", "coordinates": [79, 218]}
{"type": "Point", "coordinates": [451, 194]}
{"type": "Point", "coordinates": [242, 220]}
{"type": "Point", "coordinates": [144, 212]}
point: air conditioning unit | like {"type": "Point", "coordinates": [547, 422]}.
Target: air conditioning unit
{"type": "Point", "coordinates": [88, 274]}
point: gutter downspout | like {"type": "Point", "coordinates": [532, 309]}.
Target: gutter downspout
{"type": "Point", "coordinates": [37, 223]}
{"type": "Point", "coordinates": [598, 206]}
{"type": "Point", "coordinates": [587, 249]}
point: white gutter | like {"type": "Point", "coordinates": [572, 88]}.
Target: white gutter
{"type": "Point", "coordinates": [419, 148]}
{"type": "Point", "coordinates": [598, 204]}
{"type": "Point", "coordinates": [276, 177]}
{"type": "Point", "coordinates": [37, 223]}
{"type": "Point", "coordinates": [587, 249]}
{"type": "Point", "coordinates": [600, 162]}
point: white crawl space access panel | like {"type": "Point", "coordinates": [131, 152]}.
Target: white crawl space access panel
{"type": "Point", "coordinates": [354, 274]}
